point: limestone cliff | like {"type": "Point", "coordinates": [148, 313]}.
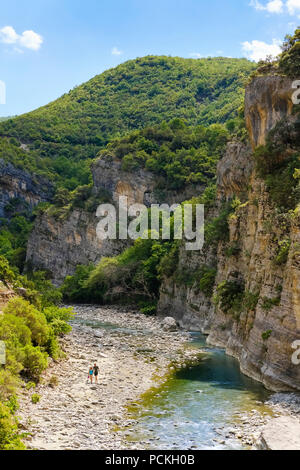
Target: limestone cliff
{"type": "Point", "coordinates": [262, 333]}
{"type": "Point", "coordinates": [59, 243]}
{"type": "Point", "coordinates": [16, 184]}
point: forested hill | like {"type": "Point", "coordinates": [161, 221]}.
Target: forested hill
{"type": "Point", "coordinates": [135, 94]}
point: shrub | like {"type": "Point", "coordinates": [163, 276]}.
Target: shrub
{"type": "Point", "coordinates": [283, 252]}
{"type": "Point", "coordinates": [34, 319]}
{"type": "Point", "coordinates": [35, 398]}
{"type": "Point", "coordinates": [250, 300]}
{"type": "Point", "coordinates": [9, 434]}
{"type": "Point", "coordinates": [289, 61]}
{"type": "Point", "coordinates": [30, 385]}
{"type": "Point", "coordinates": [169, 262]}
{"type": "Point", "coordinates": [266, 334]}
{"type": "Point", "coordinates": [217, 229]}
{"type": "Point", "coordinates": [148, 308]}
{"type": "Point", "coordinates": [35, 361]}
{"type": "Point", "coordinates": [233, 249]}
{"type": "Point", "coordinates": [230, 296]}
{"type": "Point", "coordinates": [74, 287]}
{"type": "Point", "coordinates": [267, 303]}
{"type": "Point", "coordinates": [207, 280]}
{"type": "Point", "coordinates": [53, 382]}
{"type": "Point", "coordinates": [6, 274]}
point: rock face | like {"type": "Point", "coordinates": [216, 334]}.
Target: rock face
{"type": "Point", "coordinates": [186, 303]}
{"type": "Point", "coordinates": [18, 184]}
{"type": "Point", "coordinates": [267, 100]}
{"type": "Point", "coordinates": [261, 336]}
{"type": "Point", "coordinates": [139, 186]}
{"type": "Point", "coordinates": [59, 244]}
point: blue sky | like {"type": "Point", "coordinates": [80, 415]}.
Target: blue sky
{"type": "Point", "coordinates": [49, 46]}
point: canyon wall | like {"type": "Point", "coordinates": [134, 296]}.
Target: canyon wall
{"type": "Point", "coordinates": [16, 184]}
{"type": "Point", "coordinates": [62, 240]}
{"type": "Point", "coordinates": [260, 336]}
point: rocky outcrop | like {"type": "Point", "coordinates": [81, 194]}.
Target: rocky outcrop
{"type": "Point", "coordinates": [59, 243]}
{"type": "Point", "coordinates": [267, 101]}
{"type": "Point", "coordinates": [281, 434]}
{"type": "Point", "coordinates": [5, 295]}
{"type": "Point", "coordinates": [261, 335]}
{"type": "Point", "coordinates": [140, 186]}
{"type": "Point", "coordinates": [16, 184]}
{"type": "Point", "coordinates": [191, 308]}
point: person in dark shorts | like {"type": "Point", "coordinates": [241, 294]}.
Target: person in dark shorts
{"type": "Point", "coordinates": [96, 372]}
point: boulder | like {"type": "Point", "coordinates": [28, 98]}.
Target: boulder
{"type": "Point", "coordinates": [169, 324]}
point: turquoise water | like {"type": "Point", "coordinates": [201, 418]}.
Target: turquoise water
{"type": "Point", "coordinates": [195, 406]}
{"type": "Point", "coordinates": [191, 408]}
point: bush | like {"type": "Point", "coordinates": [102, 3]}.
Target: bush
{"type": "Point", "coordinates": [169, 262]}
{"type": "Point", "coordinates": [35, 398]}
{"type": "Point", "coordinates": [35, 361]}
{"type": "Point", "coordinates": [35, 320]}
{"type": "Point", "coordinates": [289, 62]}
{"type": "Point", "coordinates": [207, 280]}
{"type": "Point", "coordinates": [9, 433]}
{"type": "Point", "coordinates": [250, 300]}
{"type": "Point", "coordinates": [148, 308]}
{"type": "Point", "coordinates": [266, 335]}
{"type": "Point", "coordinates": [217, 229]}
{"type": "Point", "coordinates": [267, 303]}
{"type": "Point", "coordinates": [283, 252]}
{"type": "Point", "coordinates": [230, 296]}
{"type": "Point", "coordinates": [53, 382]}
{"type": "Point", "coordinates": [74, 287]}
{"type": "Point", "coordinates": [6, 274]}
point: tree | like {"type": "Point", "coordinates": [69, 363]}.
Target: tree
{"type": "Point", "coordinates": [6, 274]}
{"type": "Point", "coordinates": [289, 62]}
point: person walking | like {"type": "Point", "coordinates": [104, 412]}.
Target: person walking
{"type": "Point", "coordinates": [91, 374]}
{"type": "Point", "coordinates": [96, 372]}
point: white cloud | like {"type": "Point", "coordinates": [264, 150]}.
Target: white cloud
{"type": "Point", "coordinates": [273, 6]}
{"type": "Point", "coordinates": [293, 6]}
{"type": "Point", "coordinates": [258, 50]}
{"type": "Point", "coordinates": [278, 6]}
{"type": "Point", "coordinates": [8, 35]}
{"type": "Point", "coordinates": [31, 40]}
{"type": "Point", "coordinates": [27, 40]}
{"type": "Point", "coordinates": [116, 51]}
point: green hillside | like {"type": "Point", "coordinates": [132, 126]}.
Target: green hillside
{"type": "Point", "coordinates": [135, 94]}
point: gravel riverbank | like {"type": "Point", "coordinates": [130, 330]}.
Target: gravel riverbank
{"type": "Point", "coordinates": [133, 353]}
{"type": "Point", "coordinates": [132, 358]}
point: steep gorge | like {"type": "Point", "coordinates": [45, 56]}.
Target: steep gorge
{"type": "Point", "coordinates": [261, 329]}
{"type": "Point", "coordinates": [260, 334]}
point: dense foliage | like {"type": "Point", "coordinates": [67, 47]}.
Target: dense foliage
{"type": "Point", "coordinates": [135, 275]}
{"type": "Point", "coordinates": [29, 327]}
{"type": "Point", "coordinates": [289, 61]}
{"type": "Point", "coordinates": [177, 153]}
{"type": "Point", "coordinates": [63, 136]}
{"type": "Point", "coordinates": [278, 163]}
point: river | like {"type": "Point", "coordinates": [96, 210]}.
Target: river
{"type": "Point", "coordinates": [196, 406]}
